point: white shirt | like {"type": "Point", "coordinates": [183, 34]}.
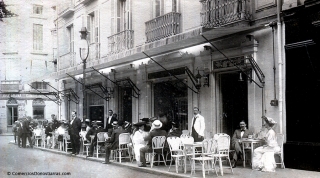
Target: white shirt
{"type": "Point", "coordinates": [109, 120]}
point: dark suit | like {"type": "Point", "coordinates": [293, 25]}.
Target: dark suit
{"type": "Point", "coordinates": [148, 147]}
{"type": "Point", "coordinates": [74, 129]}
{"type": "Point", "coordinates": [26, 133]}
{"type": "Point", "coordinates": [113, 142]}
{"type": "Point", "coordinates": [19, 133]}
{"type": "Point", "coordinates": [235, 142]}
{"type": "Point", "coordinates": [107, 124]}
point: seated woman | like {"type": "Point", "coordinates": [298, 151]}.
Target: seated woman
{"type": "Point", "coordinates": [138, 139]}
{"type": "Point", "coordinates": [263, 158]}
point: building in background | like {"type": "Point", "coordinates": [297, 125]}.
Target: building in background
{"type": "Point", "coordinates": [26, 53]}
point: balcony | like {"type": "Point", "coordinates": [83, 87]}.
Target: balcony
{"type": "Point", "coordinates": [217, 13]}
{"type": "Point", "coordinates": [66, 8]}
{"type": "Point", "coordinates": [163, 26]}
{"type": "Point", "coordinates": [120, 41]}
{"type": "Point", "coordinates": [66, 61]}
{"type": "Point", "coordinates": [10, 86]}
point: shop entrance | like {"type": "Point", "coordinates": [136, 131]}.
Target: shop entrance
{"type": "Point", "coordinates": [125, 104]}
{"type": "Point", "coordinates": [170, 97]}
{"type": "Point", "coordinates": [234, 102]}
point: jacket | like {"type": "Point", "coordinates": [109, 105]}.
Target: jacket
{"type": "Point", "coordinates": [199, 125]}
{"type": "Point", "coordinates": [113, 141]}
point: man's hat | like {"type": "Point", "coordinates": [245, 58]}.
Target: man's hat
{"type": "Point", "coordinates": [145, 119]}
{"type": "Point", "coordinates": [87, 120]}
{"type": "Point", "coordinates": [114, 123]}
{"type": "Point", "coordinates": [127, 124]}
{"type": "Point", "coordinates": [139, 124]}
{"type": "Point", "coordinates": [157, 124]}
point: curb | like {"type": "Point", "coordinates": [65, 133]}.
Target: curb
{"type": "Point", "coordinates": [133, 167]}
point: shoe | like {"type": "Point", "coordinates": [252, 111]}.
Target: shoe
{"type": "Point", "coordinates": [105, 162]}
{"type": "Point", "coordinates": [89, 156]}
{"type": "Point", "coordinates": [142, 165]}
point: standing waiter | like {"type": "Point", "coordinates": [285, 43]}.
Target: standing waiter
{"type": "Point", "coordinates": [198, 126]}
{"type": "Point", "coordinates": [74, 129]}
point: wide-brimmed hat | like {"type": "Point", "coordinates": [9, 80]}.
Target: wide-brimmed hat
{"type": "Point", "coordinates": [269, 120]}
{"type": "Point", "coordinates": [127, 124]}
{"type": "Point", "coordinates": [139, 124]}
{"type": "Point", "coordinates": [114, 123]}
{"type": "Point", "coordinates": [87, 120]}
{"type": "Point", "coordinates": [157, 124]}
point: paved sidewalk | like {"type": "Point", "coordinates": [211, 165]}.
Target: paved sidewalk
{"type": "Point", "coordinates": [239, 171]}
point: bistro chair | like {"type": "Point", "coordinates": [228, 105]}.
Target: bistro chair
{"type": "Point", "coordinates": [223, 146]}
{"type": "Point", "coordinates": [38, 137]}
{"type": "Point", "coordinates": [123, 148]}
{"type": "Point", "coordinates": [67, 141]}
{"type": "Point", "coordinates": [177, 153]}
{"type": "Point", "coordinates": [157, 149]}
{"type": "Point", "coordinates": [101, 139]}
{"type": "Point", "coordinates": [208, 150]}
{"type": "Point", "coordinates": [280, 139]}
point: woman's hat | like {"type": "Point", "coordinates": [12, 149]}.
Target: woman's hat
{"type": "Point", "coordinates": [157, 124]}
{"type": "Point", "coordinates": [269, 120]}
{"type": "Point", "coordinates": [139, 124]}
{"type": "Point", "coordinates": [145, 119]}
{"type": "Point", "coordinates": [127, 124]}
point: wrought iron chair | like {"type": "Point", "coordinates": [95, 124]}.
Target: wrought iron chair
{"type": "Point", "coordinates": [124, 141]}
{"type": "Point", "coordinates": [157, 149]}
{"type": "Point", "coordinates": [223, 147]}
{"type": "Point", "coordinates": [101, 139]}
{"type": "Point", "coordinates": [177, 152]}
{"type": "Point", "coordinates": [208, 150]}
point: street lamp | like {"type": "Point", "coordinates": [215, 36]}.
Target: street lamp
{"type": "Point", "coordinates": [84, 48]}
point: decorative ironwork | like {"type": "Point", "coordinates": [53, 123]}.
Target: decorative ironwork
{"type": "Point", "coordinates": [227, 63]}
{"type": "Point", "coordinates": [120, 41]}
{"type": "Point", "coordinates": [216, 13]}
{"type": "Point", "coordinates": [163, 26]}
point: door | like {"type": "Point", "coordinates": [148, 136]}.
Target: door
{"type": "Point", "coordinates": [234, 102]}
{"type": "Point", "coordinates": [96, 113]}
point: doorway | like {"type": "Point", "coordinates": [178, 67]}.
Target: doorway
{"type": "Point", "coordinates": [171, 98]}
{"type": "Point", "coordinates": [125, 104]}
{"type": "Point", "coordinates": [96, 113]}
{"type": "Point", "coordinates": [234, 101]}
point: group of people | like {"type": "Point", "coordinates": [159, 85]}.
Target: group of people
{"type": "Point", "coordinates": [22, 131]}
{"type": "Point", "coordinates": [143, 132]}
{"type": "Point", "coordinates": [263, 157]}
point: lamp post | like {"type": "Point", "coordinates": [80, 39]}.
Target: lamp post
{"type": "Point", "coordinates": [84, 46]}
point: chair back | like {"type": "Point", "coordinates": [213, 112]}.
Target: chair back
{"type": "Point", "coordinates": [124, 138]}
{"type": "Point", "coordinates": [37, 132]}
{"type": "Point", "coordinates": [100, 136]}
{"type": "Point", "coordinates": [174, 143]}
{"type": "Point", "coordinates": [280, 139]}
{"type": "Point", "coordinates": [187, 139]}
{"type": "Point", "coordinates": [209, 146]}
{"type": "Point", "coordinates": [223, 143]}
{"type": "Point", "coordinates": [158, 142]}
{"type": "Point", "coordinates": [185, 132]}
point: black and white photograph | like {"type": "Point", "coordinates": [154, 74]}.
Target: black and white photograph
{"type": "Point", "coordinates": [160, 88]}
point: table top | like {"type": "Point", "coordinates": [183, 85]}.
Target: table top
{"type": "Point", "coordinates": [193, 144]}
{"type": "Point", "coordinates": [251, 140]}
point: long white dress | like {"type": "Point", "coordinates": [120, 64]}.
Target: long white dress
{"type": "Point", "coordinates": [138, 142]}
{"type": "Point", "coordinates": [263, 158]}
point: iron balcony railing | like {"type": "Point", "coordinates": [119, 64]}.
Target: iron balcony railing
{"type": "Point", "coordinates": [217, 13]}
{"type": "Point", "coordinates": [120, 41]}
{"type": "Point", "coordinates": [67, 60]}
{"type": "Point", "coordinates": [163, 26]}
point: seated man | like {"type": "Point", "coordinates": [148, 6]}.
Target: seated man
{"type": "Point", "coordinates": [236, 144]}
{"type": "Point", "coordinates": [175, 131]}
{"type": "Point", "coordinates": [95, 129]}
{"type": "Point", "coordinates": [156, 131]}
{"type": "Point", "coordinates": [113, 142]}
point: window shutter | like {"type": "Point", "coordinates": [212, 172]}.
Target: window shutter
{"type": "Point", "coordinates": [97, 33]}
{"type": "Point", "coordinates": [113, 17]}
{"type": "Point", "coordinates": [168, 6]}
{"type": "Point", "coordinates": [127, 16]}
{"type": "Point", "coordinates": [89, 28]}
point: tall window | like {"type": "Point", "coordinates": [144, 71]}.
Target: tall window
{"type": "Point", "coordinates": [12, 114]}
{"type": "Point", "coordinates": [37, 37]}
{"type": "Point", "coordinates": [37, 9]}
{"type": "Point", "coordinates": [161, 7]}
{"type": "Point", "coordinates": [71, 38]}
{"type": "Point", "coordinates": [121, 16]}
